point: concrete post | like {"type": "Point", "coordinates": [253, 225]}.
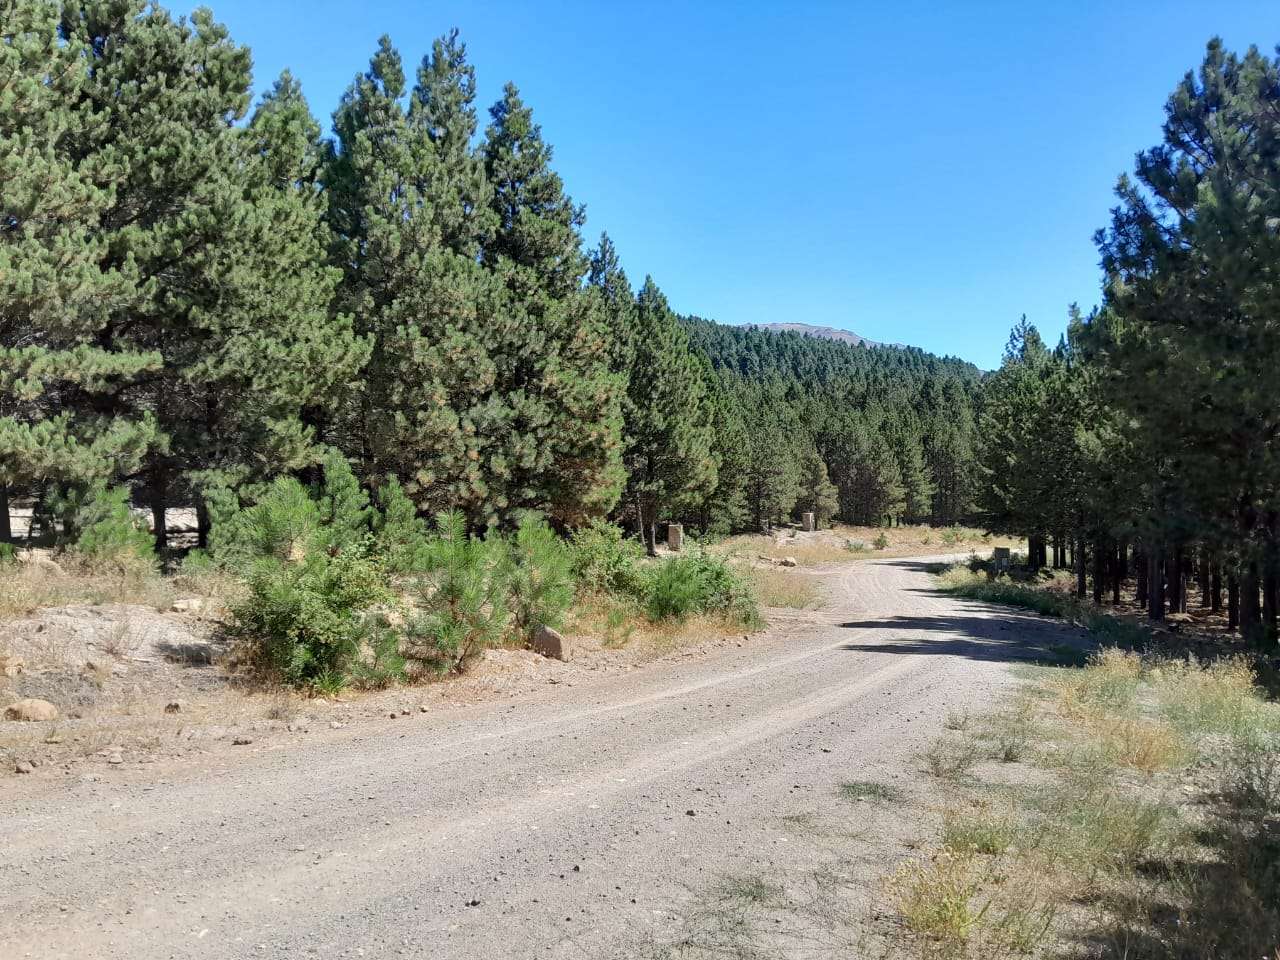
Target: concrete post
{"type": "Point", "coordinates": [809, 523]}
{"type": "Point", "coordinates": [675, 537]}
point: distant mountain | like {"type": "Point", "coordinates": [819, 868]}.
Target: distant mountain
{"type": "Point", "coordinates": [825, 333]}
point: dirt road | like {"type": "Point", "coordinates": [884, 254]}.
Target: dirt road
{"type": "Point", "coordinates": [608, 820]}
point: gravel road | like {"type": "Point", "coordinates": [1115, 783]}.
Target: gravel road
{"type": "Point", "coordinates": [584, 822]}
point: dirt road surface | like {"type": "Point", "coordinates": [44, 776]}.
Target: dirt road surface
{"type": "Point", "coordinates": [613, 819]}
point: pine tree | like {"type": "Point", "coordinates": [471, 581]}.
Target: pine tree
{"type": "Point", "coordinates": [668, 439]}
{"type": "Point", "coordinates": [818, 495]}
{"type": "Point", "coordinates": [229, 284]}
{"type": "Point", "coordinates": [59, 366]}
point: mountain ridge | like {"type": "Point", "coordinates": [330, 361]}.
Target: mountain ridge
{"type": "Point", "coordinates": [825, 333]}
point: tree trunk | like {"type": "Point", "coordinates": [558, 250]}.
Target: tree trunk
{"type": "Point", "coordinates": [1099, 570]}
{"type": "Point", "coordinates": [159, 527]}
{"type": "Point", "coordinates": [1206, 593]}
{"type": "Point", "coordinates": [6, 530]}
{"type": "Point", "coordinates": [1174, 582]}
{"type": "Point", "coordinates": [1215, 586]}
{"type": "Point", "coordinates": [203, 524]}
{"type": "Point", "coordinates": [1269, 588]}
{"type": "Point", "coordinates": [1140, 567]}
{"type": "Point", "coordinates": [1033, 552]}
{"type": "Point", "coordinates": [1077, 554]}
{"type": "Point", "coordinates": [1155, 585]}
{"type": "Point", "coordinates": [1117, 572]}
{"type": "Point", "coordinates": [1233, 602]}
{"type": "Point", "coordinates": [1250, 613]}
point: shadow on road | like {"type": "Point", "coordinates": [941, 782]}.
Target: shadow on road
{"type": "Point", "coordinates": [1010, 639]}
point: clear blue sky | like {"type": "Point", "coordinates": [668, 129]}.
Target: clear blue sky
{"type": "Point", "coordinates": [920, 173]}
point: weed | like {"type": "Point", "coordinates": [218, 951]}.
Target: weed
{"type": "Point", "coordinates": [950, 758]}
{"type": "Point", "coordinates": [871, 790]}
{"type": "Point", "coordinates": [978, 833]}
{"type": "Point", "coordinates": [936, 896]}
{"type": "Point", "coordinates": [751, 889]}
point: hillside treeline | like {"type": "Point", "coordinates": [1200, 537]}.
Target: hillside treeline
{"type": "Point", "coordinates": [1148, 442]}
{"type": "Point", "coordinates": [200, 294]}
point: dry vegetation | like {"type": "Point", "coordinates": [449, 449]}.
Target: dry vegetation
{"type": "Point", "coordinates": [842, 543]}
{"type": "Point", "coordinates": [1129, 807]}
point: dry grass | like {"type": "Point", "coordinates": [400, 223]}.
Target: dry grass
{"type": "Point", "coordinates": [1151, 826]}
{"type": "Point", "coordinates": [784, 587]}
{"type": "Point", "coordinates": [842, 543]}
{"type": "Point", "coordinates": [25, 588]}
{"type": "Point", "coordinates": [618, 623]}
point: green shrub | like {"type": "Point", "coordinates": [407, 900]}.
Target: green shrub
{"type": "Point", "coordinates": [881, 541]}
{"type": "Point", "coordinates": [8, 554]}
{"type": "Point", "coordinates": [462, 606]}
{"type": "Point", "coordinates": [283, 525]}
{"type": "Point", "coordinates": [602, 559]}
{"type": "Point", "coordinates": [698, 583]}
{"type": "Point", "coordinates": [399, 535]}
{"type": "Point", "coordinates": [541, 584]}
{"type": "Point", "coordinates": [342, 505]}
{"type": "Point", "coordinates": [109, 533]}
{"type": "Point", "coordinates": [312, 620]}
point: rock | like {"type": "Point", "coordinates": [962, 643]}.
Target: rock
{"type": "Point", "coordinates": [173, 706]}
{"type": "Point", "coordinates": [188, 605]}
{"type": "Point", "coordinates": [10, 666]}
{"type": "Point", "coordinates": [115, 758]}
{"type": "Point", "coordinates": [787, 562]}
{"type": "Point", "coordinates": [31, 709]}
{"type": "Point", "coordinates": [241, 741]}
{"type": "Point", "coordinates": [551, 643]}
{"type": "Point", "coordinates": [335, 725]}
{"type": "Point", "coordinates": [22, 767]}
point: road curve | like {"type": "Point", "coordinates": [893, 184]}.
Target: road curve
{"type": "Point", "coordinates": [570, 824]}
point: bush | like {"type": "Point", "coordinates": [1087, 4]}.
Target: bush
{"type": "Point", "coordinates": [311, 621]}
{"type": "Point", "coordinates": [541, 584]}
{"type": "Point", "coordinates": [698, 583]}
{"type": "Point", "coordinates": [8, 554]}
{"type": "Point", "coordinates": [283, 525]}
{"type": "Point", "coordinates": [602, 559]}
{"type": "Point", "coordinates": [342, 505]}
{"type": "Point", "coordinates": [109, 532]}
{"type": "Point", "coordinates": [881, 541]}
{"type": "Point", "coordinates": [462, 601]}
{"type": "Point", "coordinates": [399, 535]}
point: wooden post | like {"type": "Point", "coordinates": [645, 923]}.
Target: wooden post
{"type": "Point", "coordinates": [808, 523]}
{"type": "Point", "coordinates": [675, 537]}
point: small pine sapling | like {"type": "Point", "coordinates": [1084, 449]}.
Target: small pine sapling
{"type": "Point", "coordinates": [462, 601]}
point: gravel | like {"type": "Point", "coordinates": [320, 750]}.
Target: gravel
{"type": "Point", "coordinates": [461, 833]}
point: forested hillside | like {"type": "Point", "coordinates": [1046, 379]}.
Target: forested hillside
{"type": "Point", "coordinates": [200, 294]}
{"type": "Point", "coordinates": [1147, 442]}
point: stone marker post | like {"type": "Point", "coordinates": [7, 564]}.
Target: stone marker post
{"type": "Point", "coordinates": [675, 537]}
{"type": "Point", "coordinates": [809, 524]}
{"type": "Point", "coordinates": [1002, 560]}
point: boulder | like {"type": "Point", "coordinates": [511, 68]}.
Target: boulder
{"type": "Point", "coordinates": [550, 643]}
{"type": "Point", "coordinates": [787, 562]}
{"type": "Point", "coordinates": [10, 666]}
{"type": "Point", "coordinates": [31, 709]}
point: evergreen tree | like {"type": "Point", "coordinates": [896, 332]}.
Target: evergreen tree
{"type": "Point", "coordinates": [59, 365]}
{"type": "Point", "coordinates": [668, 455]}
{"type": "Point", "coordinates": [818, 495]}
{"type": "Point", "coordinates": [229, 286]}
